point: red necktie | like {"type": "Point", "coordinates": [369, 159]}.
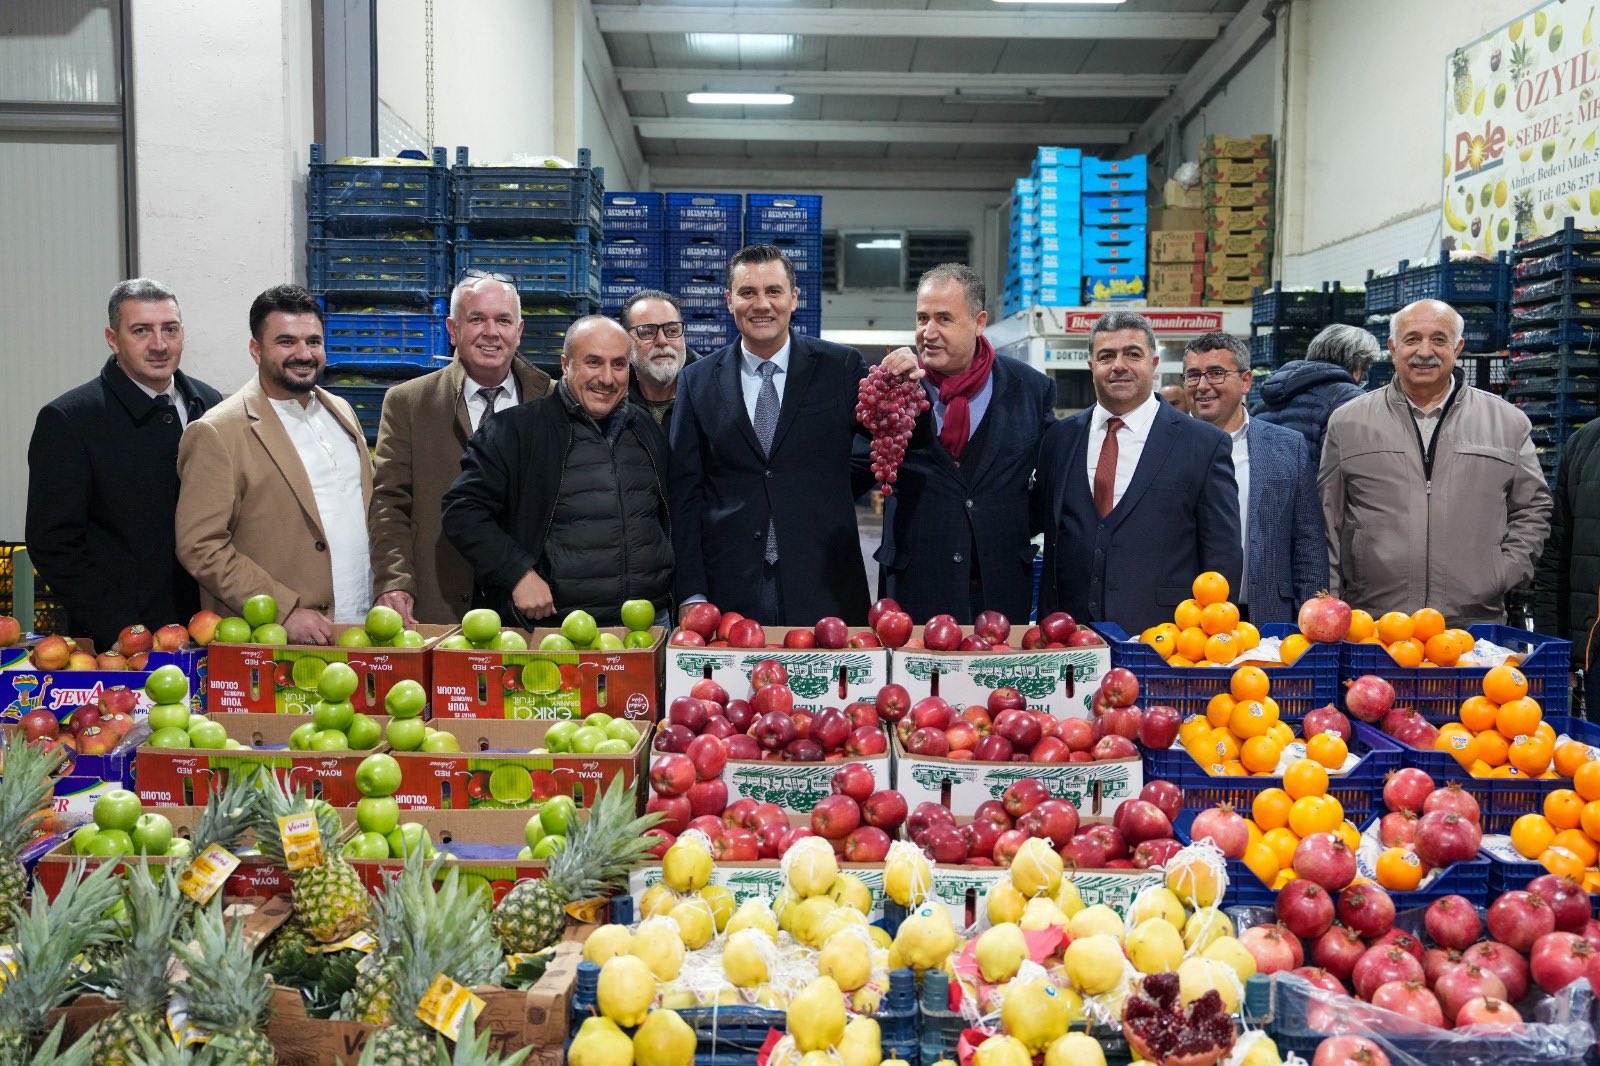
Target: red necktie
{"type": "Point", "coordinates": [1105, 471]}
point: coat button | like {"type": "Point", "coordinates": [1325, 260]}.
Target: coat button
{"type": "Point", "coordinates": [969, 505]}
{"type": "Point", "coordinates": [956, 557]}
{"type": "Point", "coordinates": [769, 473]}
{"type": "Point", "coordinates": [321, 547]}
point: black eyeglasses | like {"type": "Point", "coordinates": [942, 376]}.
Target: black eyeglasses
{"type": "Point", "coordinates": [1215, 375]}
{"type": "Point", "coordinates": [647, 331]}
{"type": "Point", "coordinates": [474, 274]}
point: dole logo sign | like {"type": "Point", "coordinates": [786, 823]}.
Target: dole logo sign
{"type": "Point", "coordinates": [1475, 151]}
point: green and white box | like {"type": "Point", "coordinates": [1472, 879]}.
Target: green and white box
{"type": "Point", "coordinates": [818, 677]}
{"type": "Point", "coordinates": [797, 787]}
{"type": "Point", "coordinates": [1062, 681]}
{"type": "Point", "coordinates": [1094, 788]}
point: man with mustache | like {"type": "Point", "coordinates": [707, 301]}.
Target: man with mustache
{"type": "Point", "coordinates": [1431, 488]}
{"type": "Point", "coordinates": [562, 502]}
{"type": "Point", "coordinates": [654, 322]}
{"type": "Point", "coordinates": [276, 481]}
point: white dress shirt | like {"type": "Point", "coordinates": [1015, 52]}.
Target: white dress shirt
{"type": "Point", "coordinates": [1428, 420]}
{"type": "Point", "coordinates": [332, 461]}
{"type": "Point", "coordinates": [750, 375]}
{"type": "Point", "coordinates": [1241, 474]}
{"type": "Point", "coordinates": [1130, 442]}
{"type": "Point", "coordinates": [475, 411]}
{"type": "Point", "coordinates": [171, 393]}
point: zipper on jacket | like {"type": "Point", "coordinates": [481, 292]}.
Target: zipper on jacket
{"type": "Point", "coordinates": [1427, 453]}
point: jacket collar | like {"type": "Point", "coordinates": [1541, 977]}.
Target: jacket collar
{"type": "Point", "coordinates": [1397, 395]}
{"type": "Point", "coordinates": [138, 405]}
{"type": "Point", "coordinates": [274, 438]}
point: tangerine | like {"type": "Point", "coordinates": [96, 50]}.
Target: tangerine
{"type": "Point", "coordinates": [1426, 623]}
{"type": "Point", "coordinates": [1477, 713]}
{"type": "Point", "coordinates": [1575, 841]}
{"type": "Point", "coordinates": [1304, 779]}
{"type": "Point", "coordinates": [1220, 649]}
{"type": "Point", "coordinates": [1187, 615]}
{"type": "Point", "coordinates": [1292, 647]}
{"type": "Point", "coordinates": [1407, 653]}
{"type": "Point", "coordinates": [1502, 684]}
{"type": "Point", "coordinates": [1247, 635]}
{"type": "Point", "coordinates": [1395, 627]}
{"type": "Point", "coordinates": [1260, 754]}
{"type": "Point", "coordinates": [1399, 870]}
{"type": "Point", "coordinates": [1282, 841]}
{"type": "Point", "coordinates": [1210, 587]}
{"type": "Point", "coordinates": [1191, 643]}
{"type": "Point", "coordinates": [1461, 745]}
{"type": "Point", "coordinates": [1281, 732]}
{"type": "Point", "coordinates": [1517, 717]}
{"type": "Point", "coordinates": [1263, 862]}
{"type": "Point", "coordinates": [1531, 835]}
{"type": "Point", "coordinates": [1217, 618]}
{"type": "Point", "coordinates": [1563, 808]}
{"type": "Point", "coordinates": [1194, 726]}
{"type": "Point", "coordinates": [1315, 814]}
{"type": "Point", "coordinates": [1589, 820]}
{"type": "Point", "coordinates": [1562, 862]}
{"type": "Point", "coordinates": [1531, 755]}
{"type": "Point", "coordinates": [1571, 754]}
{"type": "Point", "coordinates": [1251, 719]}
{"type": "Point", "coordinates": [1361, 626]}
{"type": "Point", "coordinates": [1220, 709]}
{"type": "Point", "coordinates": [1329, 749]}
{"type": "Point", "coordinates": [1493, 750]}
{"type": "Point", "coordinates": [1178, 660]}
{"type": "Point", "coordinates": [1349, 834]}
{"type": "Point", "coordinates": [1441, 650]}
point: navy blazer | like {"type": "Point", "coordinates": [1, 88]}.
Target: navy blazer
{"type": "Point", "coordinates": [1288, 542]}
{"type": "Point", "coordinates": [1178, 518]}
{"type": "Point", "coordinates": [723, 489]}
{"type": "Point", "coordinates": [940, 511]}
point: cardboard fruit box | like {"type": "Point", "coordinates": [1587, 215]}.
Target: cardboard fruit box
{"type": "Point", "coordinates": [1219, 145]}
{"type": "Point", "coordinates": [180, 776]}
{"type": "Point", "coordinates": [1060, 680]}
{"type": "Point", "coordinates": [485, 842]}
{"type": "Point", "coordinates": [86, 777]}
{"type": "Point", "coordinates": [493, 770]}
{"type": "Point", "coordinates": [24, 688]}
{"type": "Point", "coordinates": [548, 684]}
{"type": "Point", "coordinates": [1096, 789]}
{"type": "Point", "coordinates": [819, 677]}
{"type": "Point", "coordinates": [267, 678]}
{"type": "Point", "coordinates": [1242, 218]}
{"type": "Point", "coordinates": [797, 786]}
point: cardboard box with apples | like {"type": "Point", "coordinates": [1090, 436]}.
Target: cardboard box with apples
{"type": "Point", "coordinates": [282, 679]}
{"type": "Point", "coordinates": [1053, 675]}
{"type": "Point", "coordinates": [548, 684]}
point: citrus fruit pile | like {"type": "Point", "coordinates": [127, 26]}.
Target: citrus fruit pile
{"type": "Point", "coordinates": [1206, 630]}
{"type": "Point", "coordinates": [1421, 638]}
{"type": "Point", "coordinates": [1242, 734]}
{"type": "Point", "coordinates": [1280, 818]}
{"type": "Point", "coordinates": [1502, 733]}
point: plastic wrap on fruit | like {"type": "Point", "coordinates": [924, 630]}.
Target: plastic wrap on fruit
{"type": "Point", "coordinates": [687, 866]}
{"type": "Point", "coordinates": [809, 868]}
{"type": "Point", "coordinates": [1198, 875]}
{"type": "Point", "coordinates": [907, 874]}
{"type": "Point", "coordinates": [1033, 1009]}
{"type": "Point", "coordinates": [846, 956]}
{"type": "Point", "coordinates": [658, 943]}
{"type": "Point", "coordinates": [1256, 1048]}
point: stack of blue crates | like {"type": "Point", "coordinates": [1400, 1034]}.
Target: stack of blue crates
{"type": "Point", "coordinates": [1021, 289]}
{"type": "Point", "coordinates": [1044, 265]}
{"type": "Point", "coordinates": [1115, 229]}
{"type": "Point", "coordinates": [704, 230]}
{"type": "Point", "coordinates": [633, 249]}
{"type": "Point", "coordinates": [794, 224]}
{"type": "Point", "coordinates": [1479, 289]}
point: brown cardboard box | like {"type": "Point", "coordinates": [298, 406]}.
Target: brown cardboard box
{"type": "Point", "coordinates": [1236, 172]}
{"type": "Point", "coordinates": [1250, 242]}
{"type": "Point", "coordinates": [1177, 276]}
{"type": "Point", "coordinates": [1237, 266]}
{"type": "Point", "coordinates": [1177, 246]}
{"type": "Point", "coordinates": [1253, 194]}
{"type": "Point", "coordinates": [1226, 147]}
{"type": "Point", "coordinates": [1241, 219]}
{"type": "Point", "coordinates": [1178, 218]}
{"type": "Point", "coordinates": [1177, 298]}
{"type": "Point", "coordinates": [1232, 290]}
{"type": "Point", "coordinates": [1176, 196]}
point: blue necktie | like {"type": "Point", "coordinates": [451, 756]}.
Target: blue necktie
{"type": "Point", "coordinates": [766, 424]}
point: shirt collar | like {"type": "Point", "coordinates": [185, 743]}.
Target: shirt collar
{"type": "Point", "coordinates": [751, 362]}
{"type": "Point", "coordinates": [171, 390]}
{"type": "Point", "coordinates": [1438, 406]}
{"type": "Point", "coordinates": [291, 408]}
{"type": "Point", "coordinates": [472, 388]}
{"type": "Point", "coordinates": [1139, 420]}
{"type": "Point", "coordinates": [1238, 434]}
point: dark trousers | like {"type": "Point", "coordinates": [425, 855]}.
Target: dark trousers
{"type": "Point", "coordinates": [771, 595]}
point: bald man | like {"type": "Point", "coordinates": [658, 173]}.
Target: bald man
{"type": "Point", "coordinates": [562, 502]}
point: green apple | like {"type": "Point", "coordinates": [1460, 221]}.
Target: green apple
{"type": "Point", "coordinates": [509, 640]}
{"type": "Point", "coordinates": [580, 628]}
{"type": "Point", "coordinates": [300, 739]}
{"type": "Point", "coordinates": [364, 732]}
{"type": "Point", "coordinates": [377, 814]}
{"type": "Point", "coordinates": [558, 814]}
{"type": "Point", "coordinates": [260, 610]}
{"type": "Point", "coordinates": [612, 747]}
{"type": "Point", "coordinates": [232, 630]}
{"type": "Point", "coordinates": [368, 845]}
{"type": "Point", "coordinates": [331, 715]}
{"type": "Point", "coordinates": [167, 684]}
{"type": "Point", "coordinates": [152, 833]}
{"type": "Point", "coordinates": [440, 741]}
{"type": "Point", "coordinates": [180, 848]}
{"type": "Point", "coordinates": [234, 745]}
{"type": "Point", "coordinates": [558, 737]}
{"type": "Point", "coordinates": [525, 854]}
{"type": "Point", "coordinates": [271, 633]}
{"type": "Point", "coordinates": [330, 740]}
{"type": "Point", "coordinates": [598, 720]}
{"type": "Point", "coordinates": [109, 843]}
{"type": "Point", "coordinates": [407, 838]}
{"type": "Point", "coordinates": [169, 716]}
{"type": "Point", "coordinates": [405, 734]}
{"type": "Point", "coordinates": [639, 639]}
{"type": "Point", "coordinates": [407, 699]}
{"type": "Point", "coordinates": [456, 642]}
{"type": "Point", "coordinates": [638, 615]}
{"type": "Point", "coordinates": [534, 830]}
{"type": "Point", "coordinates": [585, 740]}
{"type": "Point", "coordinates": [384, 623]}
{"type": "Point", "coordinates": [556, 642]}
{"type": "Point", "coordinates": [549, 846]}
{"type": "Point", "coordinates": [378, 775]}
{"type": "Point", "coordinates": [354, 637]}
{"type": "Point", "coordinates": [409, 638]}
{"type": "Point", "coordinates": [481, 625]}
{"type": "Point", "coordinates": [624, 730]}
{"type": "Point", "coordinates": [81, 838]}
{"type": "Point", "coordinates": [338, 681]}
{"type": "Point", "coordinates": [170, 738]}
{"type": "Point", "coordinates": [608, 642]}
{"type": "Point", "coordinates": [207, 734]}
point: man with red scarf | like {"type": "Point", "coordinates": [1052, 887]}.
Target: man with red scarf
{"type": "Point", "coordinates": [956, 531]}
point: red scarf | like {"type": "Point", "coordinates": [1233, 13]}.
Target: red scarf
{"type": "Point", "coordinates": [956, 392]}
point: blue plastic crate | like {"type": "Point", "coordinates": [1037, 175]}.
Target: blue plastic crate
{"type": "Point", "coordinates": [1568, 236]}
{"type": "Point", "coordinates": [1437, 692]}
{"type": "Point", "coordinates": [1533, 292]}
{"type": "Point", "coordinates": [1568, 307]}
{"type": "Point", "coordinates": [700, 253]}
{"type": "Point", "coordinates": [1555, 264]}
{"type": "Point", "coordinates": [1276, 306]}
{"type": "Point", "coordinates": [526, 198]}
{"type": "Point", "coordinates": [1560, 360]}
{"type": "Point", "coordinates": [616, 286]}
{"type": "Point", "coordinates": [543, 333]}
{"type": "Point", "coordinates": [539, 269]}
{"type": "Point", "coordinates": [374, 266]}
{"type": "Point", "coordinates": [708, 284]}
{"type": "Point", "coordinates": [1115, 211]}
{"type": "Point", "coordinates": [632, 212]}
{"type": "Point", "coordinates": [352, 195]}
{"type": "Point", "coordinates": [1507, 875]}
{"type": "Point", "coordinates": [633, 253]}
{"type": "Point", "coordinates": [1458, 281]}
{"type": "Point", "coordinates": [1469, 879]}
{"type": "Point", "coordinates": [1127, 176]}
{"type": "Point", "coordinates": [380, 341]}
{"type": "Point", "coordinates": [1383, 294]}
{"type": "Point", "coordinates": [705, 212]}
{"type": "Point", "coordinates": [1276, 347]}
{"type": "Point", "coordinates": [941, 1027]}
{"type": "Point", "coordinates": [766, 214]}
{"type": "Point", "coordinates": [1563, 335]}
{"type": "Point", "coordinates": [1359, 791]}
{"type": "Point", "coordinates": [1484, 333]}
{"type": "Point", "coordinates": [367, 401]}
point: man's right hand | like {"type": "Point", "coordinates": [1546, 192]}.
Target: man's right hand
{"type": "Point", "coordinates": [904, 361]}
{"type": "Point", "coordinates": [532, 597]}
{"type": "Point", "coordinates": [306, 626]}
{"type": "Point", "coordinates": [403, 604]}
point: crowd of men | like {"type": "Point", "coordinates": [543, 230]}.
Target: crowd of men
{"type": "Point", "coordinates": [647, 471]}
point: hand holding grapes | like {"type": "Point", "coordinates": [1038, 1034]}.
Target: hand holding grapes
{"type": "Point", "coordinates": [888, 402]}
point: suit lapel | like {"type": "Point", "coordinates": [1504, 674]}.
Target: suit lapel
{"type": "Point", "coordinates": [1075, 485]}
{"type": "Point", "coordinates": [1154, 456]}
{"type": "Point", "coordinates": [455, 379]}
{"type": "Point", "coordinates": [268, 428]}
{"type": "Point", "coordinates": [939, 456]}
{"type": "Point", "coordinates": [730, 382]}
{"type": "Point", "coordinates": [1001, 396]}
{"type": "Point", "coordinates": [1252, 505]}
{"type": "Point", "coordinates": [802, 365]}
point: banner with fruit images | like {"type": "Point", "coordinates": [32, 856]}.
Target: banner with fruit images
{"type": "Point", "coordinates": [1522, 110]}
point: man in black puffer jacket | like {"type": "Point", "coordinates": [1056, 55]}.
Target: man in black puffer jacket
{"type": "Point", "coordinates": [1302, 394]}
{"type": "Point", "coordinates": [1567, 581]}
{"type": "Point", "coordinates": [561, 504]}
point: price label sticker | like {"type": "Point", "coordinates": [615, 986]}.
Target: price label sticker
{"type": "Point", "coordinates": [202, 877]}
{"type": "Point", "coordinates": [183, 1032]}
{"type": "Point", "coordinates": [446, 1006]}
{"type": "Point", "coordinates": [361, 940]}
{"type": "Point", "coordinates": [302, 841]}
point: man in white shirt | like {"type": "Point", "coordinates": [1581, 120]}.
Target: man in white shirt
{"type": "Point", "coordinates": [276, 482]}
{"type": "Point", "coordinates": [424, 430]}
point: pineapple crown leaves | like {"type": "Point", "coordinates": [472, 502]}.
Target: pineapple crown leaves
{"type": "Point", "coordinates": [273, 801]}
{"type": "Point", "coordinates": [229, 814]}
{"type": "Point", "coordinates": [143, 974]}
{"type": "Point", "coordinates": [602, 848]}
{"type": "Point", "coordinates": [226, 985]}
{"type": "Point", "coordinates": [159, 1050]}
{"type": "Point", "coordinates": [51, 1053]}
{"type": "Point", "coordinates": [472, 1049]}
{"type": "Point", "coordinates": [25, 787]}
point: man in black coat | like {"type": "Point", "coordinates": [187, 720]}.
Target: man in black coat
{"type": "Point", "coordinates": [103, 475]}
{"type": "Point", "coordinates": [956, 529]}
{"type": "Point", "coordinates": [1565, 584]}
{"type": "Point", "coordinates": [763, 485]}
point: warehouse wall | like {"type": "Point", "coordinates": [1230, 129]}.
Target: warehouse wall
{"type": "Point", "coordinates": [596, 136]}
{"type": "Point", "coordinates": [1250, 103]}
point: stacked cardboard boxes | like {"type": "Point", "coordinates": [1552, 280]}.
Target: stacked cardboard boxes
{"type": "Point", "coordinates": [1115, 229]}
{"type": "Point", "coordinates": [1177, 257]}
{"type": "Point", "coordinates": [1238, 185]}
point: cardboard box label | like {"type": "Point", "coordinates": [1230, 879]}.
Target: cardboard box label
{"type": "Point", "coordinates": [796, 787]}
{"type": "Point", "coordinates": [1255, 194]}
{"type": "Point", "coordinates": [1253, 264]}
{"type": "Point", "coordinates": [1219, 171]}
{"type": "Point", "coordinates": [1177, 246]}
{"type": "Point", "coordinates": [1061, 682]}
{"type": "Point", "coordinates": [263, 679]}
{"type": "Point", "coordinates": [1250, 242]}
{"type": "Point", "coordinates": [1221, 145]}
{"type": "Point", "coordinates": [533, 684]}
{"type": "Point", "coordinates": [1095, 788]}
{"type": "Point", "coordinates": [493, 770]}
{"type": "Point", "coordinates": [818, 678]}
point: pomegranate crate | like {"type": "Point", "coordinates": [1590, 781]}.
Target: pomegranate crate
{"type": "Point", "coordinates": [1094, 788]}
{"type": "Point", "coordinates": [1313, 680]}
{"type": "Point", "coordinates": [1437, 692]}
{"type": "Point", "coordinates": [1468, 879]}
{"type": "Point", "coordinates": [494, 770]}
{"type": "Point", "coordinates": [536, 684]}
{"type": "Point", "coordinates": [1061, 680]}
{"type": "Point", "coordinates": [268, 679]}
{"type": "Point", "coordinates": [819, 677]}
{"type": "Point", "coordinates": [1358, 790]}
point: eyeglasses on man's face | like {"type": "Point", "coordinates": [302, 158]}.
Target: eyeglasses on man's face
{"type": "Point", "coordinates": [646, 331]}
{"type": "Point", "coordinates": [1214, 375]}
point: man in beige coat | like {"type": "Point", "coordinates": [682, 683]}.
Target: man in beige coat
{"type": "Point", "coordinates": [276, 482]}
{"type": "Point", "coordinates": [1431, 489]}
{"type": "Point", "coordinates": [426, 424]}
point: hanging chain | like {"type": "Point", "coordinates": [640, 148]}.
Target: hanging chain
{"type": "Point", "coordinates": [427, 16]}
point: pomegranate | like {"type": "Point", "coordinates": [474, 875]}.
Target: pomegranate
{"type": "Point", "coordinates": [1453, 799]}
{"type": "Point", "coordinates": [1223, 826]}
{"type": "Point", "coordinates": [1445, 837]}
{"type": "Point", "coordinates": [1139, 820]}
{"type": "Point", "coordinates": [1403, 940]}
{"type": "Point", "coordinates": [1558, 959]}
{"type": "Point", "coordinates": [1163, 794]}
{"type": "Point", "coordinates": [1407, 789]}
{"type": "Point", "coordinates": [1326, 860]}
{"type": "Point", "coordinates": [1319, 978]}
{"type": "Point", "coordinates": [1349, 1051]}
{"type": "Point", "coordinates": [1159, 1027]}
{"type": "Point", "coordinates": [1453, 922]}
{"type": "Point", "coordinates": [1367, 909]}
{"type": "Point", "coordinates": [1465, 982]}
{"type": "Point", "coordinates": [1337, 951]}
{"type": "Point", "coordinates": [1436, 960]}
{"type": "Point", "coordinates": [1328, 719]}
{"type": "Point", "coordinates": [1591, 933]}
{"type": "Point", "coordinates": [1368, 697]}
{"type": "Point", "coordinates": [1397, 829]}
{"type": "Point", "coordinates": [1324, 619]}
{"type": "Point", "coordinates": [1517, 919]}
{"type": "Point", "coordinates": [1305, 908]}
{"type": "Point", "coordinates": [1567, 900]}
{"type": "Point", "coordinates": [1410, 999]}
{"type": "Point", "coordinates": [1410, 728]}
{"type": "Point", "coordinates": [1269, 946]}
{"type": "Point", "coordinates": [1504, 963]}
{"type": "Point", "coordinates": [1379, 965]}
{"type": "Point", "coordinates": [1488, 1012]}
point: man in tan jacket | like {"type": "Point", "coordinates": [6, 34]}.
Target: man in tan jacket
{"type": "Point", "coordinates": [426, 424]}
{"type": "Point", "coordinates": [276, 481]}
{"type": "Point", "coordinates": [1431, 488]}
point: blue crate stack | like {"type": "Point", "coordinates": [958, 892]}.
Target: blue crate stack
{"type": "Point", "coordinates": [1555, 337]}
{"type": "Point", "coordinates": [1116, 223]}
{"type": "Point", "coordinates": [1057, 244]}
{"type": "Point", "coordinates": [794, 224]}
{"type": "Point", "coordinates": [1021, 287]}
{"type": "Point", "coordinates": [1283, 322]}
{"type": "Point", "coordinates": [633, 248]}
{"type": "Point", "coordinates": [1480, 289]}
{"type": "Point", "coordinates": [704, 230]}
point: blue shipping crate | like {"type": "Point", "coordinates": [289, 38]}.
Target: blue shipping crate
{"type": "Point", "coordinates": [632, 252]}
{"type": "Point", "coordinates": [1052, 156]}
{"type": "Point", "coordinates": [378, 341]}
{"type": "Point", "coordinates": [1115, 175]}
{"type": "Point", "coordinates": [391, 194]}
{"type": "Point", "coordinates": [683, 283]}
{"type": "Point", "coordinates": [539, 269]}
{"type": "Point", "coordinates": [1115, 211]}
{"type": "Point", "coordinates": [1437, 692]}
{"type": "Point", "coordinates": [1056, 192]}
{"type": "Point", "coordinates": [1066, 296]}
{"type": "Point", "coordinates": [633, 212]}
{"type": "Point", "coordinates": [705, 212]}
{"type": "Point", "coordinates": [527, 197]}
{"type": "Point", "coordinates": [1069, 243]}
{"type": "Point", "coordinates": [769, 213]}
{"type": "Point", "coordinates": [367, 403]}
{"type": "Point", "coordinates": [1064, 211]}
{"type": "Point", "coordinates": [378, 267]}
{"type": "Point", "coordinates": [804, 252]}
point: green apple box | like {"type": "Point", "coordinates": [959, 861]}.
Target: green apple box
{"type": "Point", "coordinates": [1062, 681]}
{"type": "Point", "coordinates": [819, 677]}
{"type": "Point", "coordinates": [548, 684]}
{"type": "Point", "coordinates": [1094, 788]}
{"type": "Point", "coordinates": [266, 679]}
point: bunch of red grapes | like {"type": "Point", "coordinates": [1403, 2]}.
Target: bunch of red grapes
{"type": "Point", "coordinates": [888, 404]}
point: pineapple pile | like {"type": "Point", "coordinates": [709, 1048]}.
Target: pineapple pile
{"type": "Point", "coordinates": [25, 789]}
{"type": "Point", "coordinates": [142, 977]}
{"type": "Point", "coordinates": [227, 990]}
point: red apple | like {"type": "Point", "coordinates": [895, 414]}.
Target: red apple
{"type": "Point", "coordinates": [709, 755]}
{"type": "Point", "coordinates": [676, 809]}
{"type": "Point", "coordinates": [702, 618]}
{"type": "Point", "coordinates": [855, 781]}
{"type": "Point", "coordinates": [708, 797]}
{"type": "Point", "coordinates": [171, 638]}
{"type": "Point", "coordinates": [992, 626]}
{"type": "Point", "coordinates": [1057, 628]}
{"type": "Point", "coordinates": [766, 672]}
{"type": "Point", "coordinates": [689, 712]}
{"type": "Point", "coordinates": [1084, 637]}
{"type": "Point", "coordinates": [993, 748]}
{"type": "Point", "coordinates": [862, 714]}
{"type": "Point", "coordinates": [866, 843]}
{"type": "Point", "coordinates": [747, 633]}
{"type": "Point", "coordinates": [52, 653]}
{"type": "Point", "coordinates": [134, 639]}
{"type": "Point", "coordinates": [110, 660]}
{"type": "Point", "coordinates": [932, 712]}
{"type": "Point", "coordinates": [961, 736]}
{"type": "Point", "coordinates": [880, 608]}
{"type": "Point", "coordinates": [864, 640]}
{"type": "Point", "coordinates": [686, 638]}
{"type": "Point", "coordinates": [893, 628]}
{"type": "Point", "coordinates": [10, 631]}
{"type": "Point", "coordinates": [1119, 687]}
{"type": "Point", "coordinates": [1023, 796]}
{"type": "Point", "coordinates": [929, 743]}
{"type": "Point", "coordinates": [867, 740]}
{"type": "Point", "coordinates": [941, 633]}
{"type": "Point", "coordinates": [893, 702]}
{"type": "Point", "coordinates": [1050, 749]}
{"type": "Point", "coordinates": [37, 725]}
{"type": "Point", "coordinates": [1006, 699]}
{"type": "Point", "coordinates": [832, 633]}
{"type": "Point", "coordinates": [1077, 734]}
{"type": "Point", "coordinates": [1007, 844]}
{"type": "Point", "coordinates": [203, 627]}
{"type": "Point", "coordinates": [946, 844]}
{"type": "Point", "coordinates": [672, 774]}
{"type": "Point", "coordinates": [709, 691]}
{"type": "Point", "coordinates": [974, 643]}
{"type": "Point", "coordinates": [779, 698]}
{"type": "Point", "coordinates": [885, 809]}
{"type": "Point", "coordinates": [799, 638]}
{"type": "Point", "coordinates": [738, 812]}
{"type": "Point", "coordinates": [835, 816]}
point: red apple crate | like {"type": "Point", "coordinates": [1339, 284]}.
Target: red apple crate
{"type": "Point", "coordinates": [1311, 682]}
{"type": "Point", "coordinates": [533, 684]}
{"type": "Point", "coordinates": [1437, 692]}
{"type": "Point", "coordinates": [1059, 680]}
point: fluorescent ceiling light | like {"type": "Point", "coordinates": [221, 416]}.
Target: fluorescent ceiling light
{"type": "Point", "coordinates": [879, 242]}
{"type": "Point", "coordinates": [743, 45]}
{"type": "Point", "coordinates": [1098, 2]}
{"type": "Point", "coordinates": [777, 99]}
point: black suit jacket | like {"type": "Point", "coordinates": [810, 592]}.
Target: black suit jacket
{"type": "Point", "coordinates": [102, 493]}
{"type": "Point", "coordinates": [1178, 518]}
{"type": "Point", "coordinates": [941, 511]}
{"type": "Point", "coordinates": [724, 490]}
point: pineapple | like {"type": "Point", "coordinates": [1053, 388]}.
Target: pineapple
{"type": "Point", "coordinates": [600, 850]}
{"type": "Point", "coordinates": [1521, 61]}
{"type": "Point", "coordinates": [51, 1053]}
{"type": "Point", "coordinates": [159, 1050]}
{"type": "Point", "coordinates": [48, 937]}
{"type": "Point", "coordinates": [369, 1000]}
{"type": "Point", "coordinates": [1461, 76]}
{"type": "Point", "coordinates": [25, 788]}
{"type": "Point", "coordinates": [471, 1050]}
{"type": "Point", "coordinates": [143, 975]}
{"type": "Point", "coordinates": [227, 990]}
{"type": "Point", "coordinates": [330, 898]}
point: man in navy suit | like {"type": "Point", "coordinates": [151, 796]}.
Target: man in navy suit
{"type": "Point", "coordinates": [1136, 498]}
{"type": "Point", "coordinates": [1285, 559]}
{"type": "Point", "coordinates": [762, 484]}
{"type": "Point", "coordinates": [956, 530]}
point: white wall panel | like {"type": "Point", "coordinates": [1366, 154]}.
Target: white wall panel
{"type": "Point", "coordinates": [60, 51]}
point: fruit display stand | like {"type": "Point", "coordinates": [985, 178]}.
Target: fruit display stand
{"type": "Point", "coordinates": [188, 776]}
{"type": "Point", "coordinates": [1060, 680]}
{"type": "Point", "coordinates": [1358, 789]}
{"type": "Point", "coordinates": [1094, 788]}
{"type": "Point", "coordinates": [267, 678]}
{"type": "Point", "coordinates": [1437, 692]}
{"type": "Point", "coordinates": [494, 769]}
{"type": "Point", "coordinates": [797, 787]}
{"type": "Point", "coordinates": [1311, 681]}
{"type": "Point", "coordinates": [819, 677]}
{"type": "Point", "coordinates": [25, 688]}
{"type": "Point", "coordinates": [471, 683]}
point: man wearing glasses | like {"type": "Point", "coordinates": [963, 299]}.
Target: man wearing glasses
{"type": "Point", "coordinates": [654, 323]}
{"type": "Point", "coordinates": [1285, 562]}
{"type": "Point", "coordinates": [1136, 499]}
{"type": "Point", "coordinates": [425, 427]}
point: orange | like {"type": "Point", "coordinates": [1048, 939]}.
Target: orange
{"type": "Point", "coordinates": [1361, 626]}
{"type": "Point", "coordinates": [1210, 587]}
{"type": "Point", "coordinates": [1305, 778]}
{"type": "Point", "coordinates": [1531, 834]}
{"type": "Point", "coordinates": [1399, 870]}
{"type": "Point", "coordinates": [1502, 684]}
{"type": "Point", "coordinates": [1270, 809]}
{"type": "Point", "coordinates": [1247, 635]}
{"type": "Point", "coordinates": [1394, 627]}
{"type": "Point", "coordinates": [1349, 834]}
{"type": "Point", "coordinates": [1517, 717]}
{"type": "Point", "coordinates": [1193, 726]}
{"type": "Point", "coordinates": [1465, 641]}
{"type": "Point", "coordinates": [1562, 862]}
{"type": "Point", "coordinates": [1531, 755]}
{"type": "Point", "coordinates": [1580, 845]}
{"type": "Point", "coordinates": [1441, 650]}
{"type": "Point", "coordinates": [1589, 820]}
{"type": "Point", "coordinates": [1544, 730]}
{"type": "Point", "coordinates": [1163, 638]}
{"type": "Point", "coordinates": [1220, 709]}
{"type": "Point", "coordinates": [1249, 683]}
{"type": "Point", "coordinates": [1235, 768]}
{"type": "Point", "coordinates": [1218, 618]}
{"type": "Point", "coordinates": [1251, 719]}
{"type": "Point", "coordinates": [1571, 754]}
{"type": "Point", "coordinates": [1227, 745]}
{"type": "Point", "coordinates": [1479, 768]}
{"type": "Point", "coordinates": [1426, 623]}
{"type": "Point", "coordinates": [1280, 732]}
{"type": "Point", "coordinates": [1563, 808]}
{"type": "Point", "coordinates": [1493, 749]}
{"type": "Point", "coordinates": [1292, 647]}
{"type": "Point", "coordinates": [1477, 713]}
{"type": "Point", "coordinates": [1329, 749]}
{"type": "Point", "coordinates": [1254, 830]}
{"type": "Point", "coordinates": [1591, 881]}
{"type": "Point", "coordinates": [1282, 841]}
{"type": "Point", "coordinates": [1460, 744]}
{"type": "Point", "coordinates": [1284, 877]}
{"type": "Point", "coordinates": [1191, 643]}
{"type": "Point", "coordinates": [1178, 660]}
{"type": "Point", "coordinates": [1407, 653]}
{"type": "Point", "coordinates": [1260, 754]}
{"type": "Point", "coordinates": [1187, 615]}
{"type": "Point", "coordinates": [1220, 648]}
{"type": "Point", "coordinates": [1263, 862]}
{"type": "Point", "coordinates": [1315, 814]}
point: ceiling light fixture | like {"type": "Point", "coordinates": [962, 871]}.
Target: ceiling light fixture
{"type": "Point", "coordinates": [756, 99]}
{"type": "Point", "coordinates": [743, 45]}
{"type": "Point", "coordinates": [879, 243]}
{"type": "Point", "coordinates": [1098, 3]}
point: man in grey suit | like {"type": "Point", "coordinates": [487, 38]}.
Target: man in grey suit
{"type": "Point", "coordinates": [1285, 556]}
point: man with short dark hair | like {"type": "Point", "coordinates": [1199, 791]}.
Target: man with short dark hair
{"type": "Point", "coordinates": [1177, 397]}
{"type": "Point", "coordinates": [277, 482]}
{"type": "Point", "coordinates": [1137, 499]}
{"type": "Point", "coordinates": [562, 503]}
{"type": "Point", "coordinates": [1285, 559]}
{"type": "Point", "coordinates": [103, 476]}
{"type": "Point", "coordinates": [1302, 394]}
{"type": "Point", "coordinates": [654, 321]}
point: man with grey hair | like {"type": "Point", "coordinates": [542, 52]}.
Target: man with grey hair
{"type": "Point", "coordinates": [103, 475]}
{"type": "Point", "coordinates": [654, 321]}
{"type": "Point", "coordinates": [956, 529]}
{"type": "Point", "coordinates": [425, 426]}
{"type": "Point", "coordinates": [562, 503]}
{"type": "Point", "coordinates": [1135, 498]}
{"type": "Point", "coordinates": [1431, 489]}
{"type": "Point", "coordinates": [1302, 394]}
